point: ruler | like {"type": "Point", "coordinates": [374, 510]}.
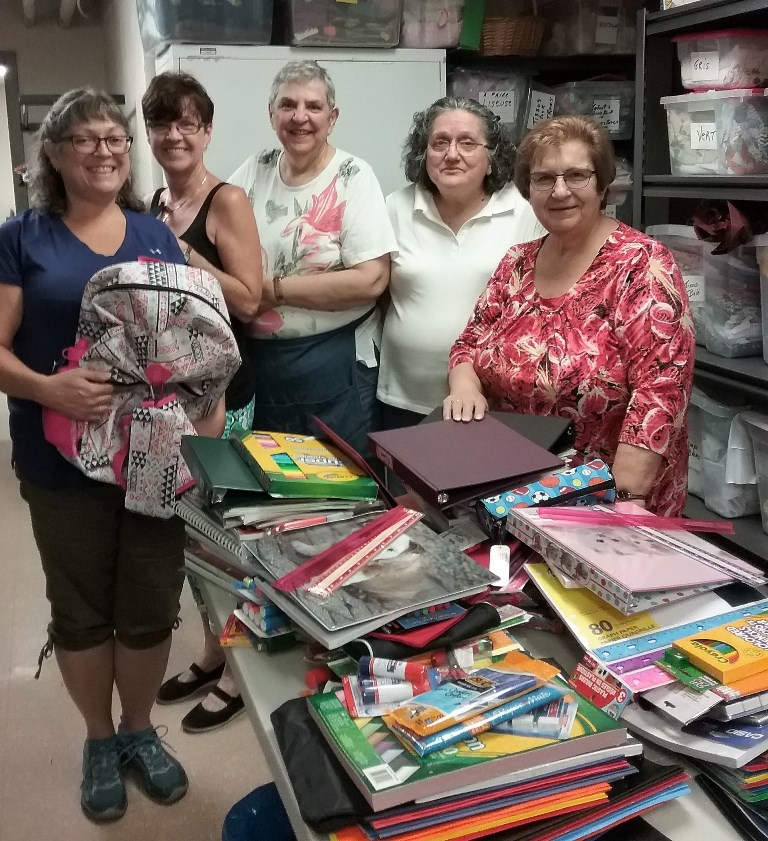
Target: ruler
{"type": "Point", "coordinates": [343, 569]}
{"type": "Point", "coordinates": [659, 640]}
{"type": "Point", "coordinates": [327, 560]}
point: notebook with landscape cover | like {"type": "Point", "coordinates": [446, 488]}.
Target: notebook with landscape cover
{"type": "Point", "coordinates": [416, 570]}
{"type": "Point", "coordinates": [302, 466]}
{"type": "Point", "coordinates": [388, 775]}
{"type": "Point", "coordinates": [447, 463]}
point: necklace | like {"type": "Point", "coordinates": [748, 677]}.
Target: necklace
{"type": "Point", "coordinates": [167, 210]}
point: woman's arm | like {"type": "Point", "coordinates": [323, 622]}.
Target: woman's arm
{"type": "Point", "coordinates": [79, 393]}
{"type": "Point", "coordinates": [331, 291]}
{"type": "Point", "coordinates": [465, 400]}
{"type": "Point", "coordinates": [236, 238]}
{"type": "Point", "coordinates": [212, 425]}
{"type": "Point", "coordinates": [655, 331]}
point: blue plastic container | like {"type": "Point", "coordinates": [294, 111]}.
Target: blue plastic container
{"type": "Point", "coordinates": [259, 816]}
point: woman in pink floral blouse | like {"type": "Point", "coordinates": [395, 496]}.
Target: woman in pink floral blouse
{"type": "Point", "coordinates": [590, 322]}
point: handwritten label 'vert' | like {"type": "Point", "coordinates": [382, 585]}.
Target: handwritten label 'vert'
{"type": "Point", "coordinates": [704, 131]}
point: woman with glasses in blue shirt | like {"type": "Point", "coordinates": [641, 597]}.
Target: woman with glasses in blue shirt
{"type": "Point", "coordinates": [113, 577]}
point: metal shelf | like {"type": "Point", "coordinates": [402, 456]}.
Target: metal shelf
{"type": "Point", "coordinates": [747, 370]}
{"type": "Point", "coordinates": [744, 187]}
{"type": "Point", "coordinates": [749, 539]}
{"type": "Point", "coordinates": [563, 67]}
{"type": "Point", "coordinates": [737, 13]}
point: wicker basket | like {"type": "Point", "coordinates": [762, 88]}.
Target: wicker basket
{"type": "Point", "coordinates": [512, 36]}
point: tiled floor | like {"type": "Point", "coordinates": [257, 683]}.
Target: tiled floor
{"type": "Point", "coordinates": [41, 733]}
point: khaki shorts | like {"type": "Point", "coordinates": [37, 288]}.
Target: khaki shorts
{"type": "Point", "coordinates": [108, 571]}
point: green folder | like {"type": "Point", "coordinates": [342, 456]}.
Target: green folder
{"type": "Point", "coordinates": [218, 469]}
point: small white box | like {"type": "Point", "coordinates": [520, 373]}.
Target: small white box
{"type": "Point", "coordinates": [731, 58]}
{"type": "Point", "coordinates": [718, 132]}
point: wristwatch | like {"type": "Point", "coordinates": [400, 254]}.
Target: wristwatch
{"type": "Point", "coordinates": [626, 496]}
{"type": "Point", "coordinates": [279, 297]}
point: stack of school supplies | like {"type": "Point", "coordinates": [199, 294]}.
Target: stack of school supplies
{"type": "Point", "coordinates": [442, 765]}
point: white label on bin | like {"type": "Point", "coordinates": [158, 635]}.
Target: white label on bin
{"type": "Point", "coordinates": [542, 107]}
{"type": "Point", "coordinates": [305, 33]}
{"type": "Point", "coordinates": [694, 455]}
{"type": "Point", "coordinates": [694, 286]}
{"type": "Point", "coordinates": [607, 112]}
{"type": "Point", "coordinates": [703, 130]}
{"type": "Point", "coordinates": [705, 66]}
{"type": "Point", "coordinates": [610, 210]}
{"type": "Point", "coordinates": [502, 103]}
{"type": "Point", "coordinates": [607, 29]}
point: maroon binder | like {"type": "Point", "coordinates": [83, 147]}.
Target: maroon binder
{"type": "Point", "coordinates": [447, 463]}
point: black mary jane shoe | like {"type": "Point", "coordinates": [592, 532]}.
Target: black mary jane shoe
{"type": "Point", "coordinates": [174, 690]}
{"type": "Point", "coordinates": [201, 720]}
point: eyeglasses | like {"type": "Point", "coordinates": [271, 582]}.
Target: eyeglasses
{"type": "Point", "coordinates": [465, 146]}
{"type": "Point", "coordinates": [185, 127]}
{"type": "Point", "coordinates": [575, 179]}
{"type": "Point", "coordinates": [117, 144]}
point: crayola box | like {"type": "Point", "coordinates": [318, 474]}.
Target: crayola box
{"type": "Point", "coordinates": [732, 651]}
{"type": "Point", "coordinates": [302, 466]}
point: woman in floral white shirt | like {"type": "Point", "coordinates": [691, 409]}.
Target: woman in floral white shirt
{"type": "Point", "coordinates": [326, 240]}
{"type": "Point", "coordinates": [591, 323]}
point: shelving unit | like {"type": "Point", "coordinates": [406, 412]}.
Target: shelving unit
{"type": "Point", "coordinates": [659, 196]}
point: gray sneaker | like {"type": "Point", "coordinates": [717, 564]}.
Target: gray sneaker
{"type": "Point", "coordinates": [161, 776]}
{"type": "Point", "coordinates": [102, 793]}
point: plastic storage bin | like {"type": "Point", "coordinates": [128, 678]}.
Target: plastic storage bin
{"type": "Point", "coordinates": [328, 23]}
{"type": "Point", "coordinates": [504, 93]}
{"type": "Point", "coordinates": [259, 816]}
{"type": "Point", "coordinates": [732, 312]}
{"type": "Point", "coordinates": [590, 27]}
{"type": "Point", "coordinates": [695, 466]}
{"type": "Point", "coordinates": [762, 264]}
{"type": "Point", "coordinates": [757, 427]}
{"type": "Point", "coordinates": [163, 22]}
{"type": "Point", "coordinates": [688, 252]}
{"type": "Point", "coordinates": [732, 58]}
{"type": "Point", "coordinates": [727, 499]}
{"type": "Point", "coordinates": [611, 102]}
{"type": "Point", "coordinates": [718, 132]}
{"type": "Point", "coordinates": [431, 23]}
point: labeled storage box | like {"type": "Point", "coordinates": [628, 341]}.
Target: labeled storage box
{"type": "Point", "coordinates": [757, 427]}
{"type": "Point", "coordinates": [762, 264]}
{"type": "Point", "coordinates": [688, 252]}
{"type": "Point", "coordinates": [718, 132]}
{"type": "Point", "coordinates": [431, 24]}
{"type": "Point", "coordinates": [328, 23]}
{"type": "Point", "coordinates": [503, 92]}
{"type": "Point", "coordinates": [732, 312]}
{"type": "Point", "coordinates": [731, 58]}
{"type": "Point", "coordinates": [610, 102]}
{"type": "Point", "coordinates": [163, 22]}
{"type": "Point", "coordinates": [590, 27]}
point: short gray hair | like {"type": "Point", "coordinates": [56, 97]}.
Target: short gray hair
{"type": "Point", "coordinates": [501, 149]}
{"type": "Point", "coordinates": [303, 71]}
{"type": "Point", "coordinates": [70, 109]}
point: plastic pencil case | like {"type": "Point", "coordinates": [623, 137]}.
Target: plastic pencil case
{"type": "Point", "coordinates": [731, 58]}
{"type": "Point", "coordinates": [584, 484]}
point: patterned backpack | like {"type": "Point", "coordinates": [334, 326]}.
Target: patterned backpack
{"type": "Point", "coordinates": [162, 331]}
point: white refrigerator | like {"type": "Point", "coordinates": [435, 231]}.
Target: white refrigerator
{"type": "Point", "coordinates": [377, 93]}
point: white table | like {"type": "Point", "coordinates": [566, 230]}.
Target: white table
{"type": "Point", "coordinates": [266, 681]}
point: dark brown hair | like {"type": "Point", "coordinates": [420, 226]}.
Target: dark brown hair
{"type": "Point", "coordinates": [70, 110]}
{"type": "Point", "coordinates": [556, 132]}
{"type": "Point", "coordinates": [170, 94]}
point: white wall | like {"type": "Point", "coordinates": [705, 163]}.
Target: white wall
{"type": "Point", "coordinates": [7, 198]}
{"type": "Point", "coordinates": [128, 72]}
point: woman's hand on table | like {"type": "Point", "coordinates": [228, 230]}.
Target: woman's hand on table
{"type": "Point", "coordinates": [79, 394]}
{"type": "Point", "coordinates": [465, 404]}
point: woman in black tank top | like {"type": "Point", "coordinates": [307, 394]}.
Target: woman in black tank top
{"type": "Point", "coordinates": [216, 228]}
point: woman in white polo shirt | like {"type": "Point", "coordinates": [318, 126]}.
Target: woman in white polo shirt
{"type": "Point", "coordinates": [453, 224]}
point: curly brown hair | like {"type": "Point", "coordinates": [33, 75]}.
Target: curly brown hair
{"type": "Point", "coordinates": [70, 109]}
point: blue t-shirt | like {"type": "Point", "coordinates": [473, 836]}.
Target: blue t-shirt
{"type": "Point", "coordinates": [52, 266]}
